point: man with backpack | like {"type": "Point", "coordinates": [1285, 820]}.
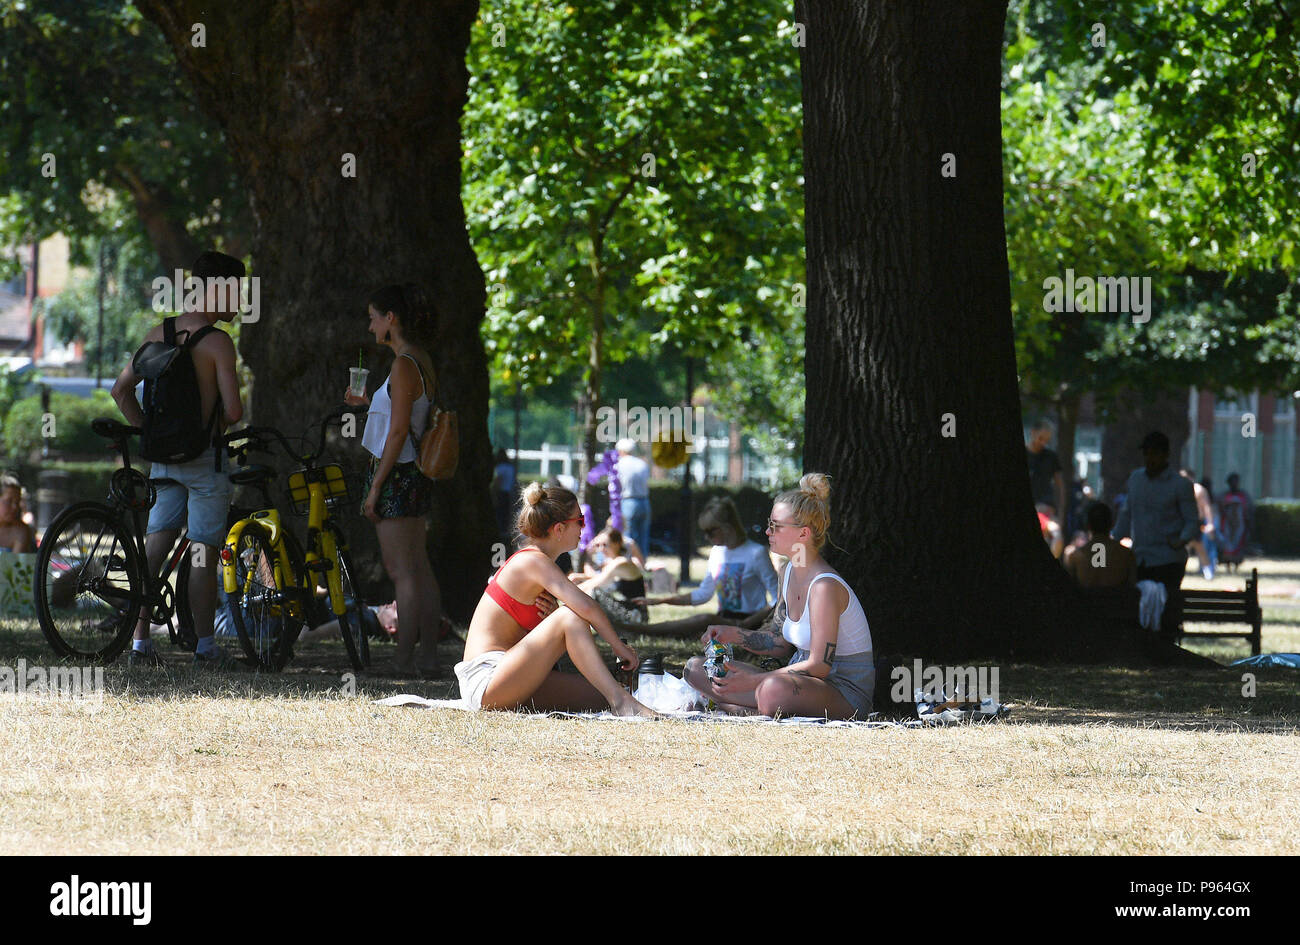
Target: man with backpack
{"type": "Point", "coordinates": [191, 395]}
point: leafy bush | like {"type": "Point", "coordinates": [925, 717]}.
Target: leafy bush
{"type": "Point", "coordinates": [71, 419]}
{"type": "Point", "coordinates": [1278, 527]}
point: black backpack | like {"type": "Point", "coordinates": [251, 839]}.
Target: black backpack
{"type": "Point", "coordinates": [174, 431]}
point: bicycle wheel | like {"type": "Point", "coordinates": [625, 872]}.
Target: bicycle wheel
{"type": "Point", "coordinates": [263, 622]}
{"type": "Point", "coordinates": [185, 636]}
{"type": "Point", "coordinates": [89, 584]}
{"type": "Point", "coordinates": [351, 627]}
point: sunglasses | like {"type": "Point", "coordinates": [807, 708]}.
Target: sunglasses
{"type": "Point", "coordinates": [580, 519]}
{"type": "Point", "coordinates": [773, 525]}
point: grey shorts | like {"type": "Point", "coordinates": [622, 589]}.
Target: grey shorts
{"type": "Point", "coordinates": [198, 497]}
{"type": "Point", "coordinates": [854, 677]}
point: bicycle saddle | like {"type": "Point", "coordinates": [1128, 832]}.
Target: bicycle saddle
{"type": "Point", "coordinates": [111, 429]}
{"type": "Point", "coordinates": [252, 475]}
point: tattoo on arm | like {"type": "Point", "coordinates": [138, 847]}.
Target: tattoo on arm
{"type": "Point", "coordinates": [758, 641]}
{"type": "Point", "coordinates": [767, 639]}
{"type": "Point", "coordinates": [829, 655]}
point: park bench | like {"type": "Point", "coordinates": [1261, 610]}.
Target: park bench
{"type": "Point", "coordinates": [1225, 607]}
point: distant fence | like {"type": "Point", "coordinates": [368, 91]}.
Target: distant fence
{"type": "Point", "coordinates": [550, 460]}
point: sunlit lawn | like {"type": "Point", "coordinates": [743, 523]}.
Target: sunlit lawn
{"type": "Point", "coordinates": [1092, 760]}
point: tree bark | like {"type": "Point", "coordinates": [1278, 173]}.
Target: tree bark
{"type": "Point", "coordinates": [595, 368]}
{"type": "Point", "coordinates": [167, 233]}
{"type": "Point", "coordinates": [1067, 413]}
{"type": "Point", "coordinates": [909, 329]}
{"type": "Point", "coordinates": [298, 86]}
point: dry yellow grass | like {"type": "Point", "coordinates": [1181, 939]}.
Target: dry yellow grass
{"type": "Point", "coordinates": [241, 774]}
{"type": "Point", "coordinates": [1094, 760]}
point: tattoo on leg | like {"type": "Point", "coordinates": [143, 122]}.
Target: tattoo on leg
{"type": "Point", "coordinates": [829, 654]}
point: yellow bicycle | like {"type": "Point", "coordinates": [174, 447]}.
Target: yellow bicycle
{"type": "Point", "coordinates": [270, 582]}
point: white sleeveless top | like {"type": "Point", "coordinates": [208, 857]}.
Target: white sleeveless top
{"type": "Point", "coordinates": [378, 419]}
{"type": "Point", "coordinates": [854, 636]}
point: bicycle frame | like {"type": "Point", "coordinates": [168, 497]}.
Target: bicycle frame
{"type": "Point", "coordinates": [321, 553]}
{"type": "Point", "coordinates": [285, 576]}
{"type": "Point", "coordinates": [321, 549]}
{"type": "Point", "coordinates": [320, 533]}
{"type": "Point", "coordinates": [135, 520]}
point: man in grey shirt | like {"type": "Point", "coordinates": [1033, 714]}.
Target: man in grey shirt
{"type": "Point", "coordinates": [1160, 516]}
{"type": "Point", "coordinates": [634, 476]}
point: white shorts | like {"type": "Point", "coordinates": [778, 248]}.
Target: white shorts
{"type": "Point", "coordinates": [475, 675]}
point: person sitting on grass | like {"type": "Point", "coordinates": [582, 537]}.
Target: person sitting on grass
{"type": "Point", "coordinates": [613, 578]}
{"type": "Point", "coordinates": [15, 534]}
{"type": "Point", "coordinates": [630, 547]}
{"type": "Point", "coordinates": [511, 648]}
{"type": "Point", "coordinates": [832, 671]}
{"type": "Point", "coordinates": [1101, 561]}
{"type": "Point", "coordinates": [739, 571]}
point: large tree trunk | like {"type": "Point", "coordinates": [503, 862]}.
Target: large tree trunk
{"type": "Point", "coordinates": [1067, 427]}
{"type": "Point", "coordinates": [298, 85]}
{"type": "Point", "coordinates": [908, 322]}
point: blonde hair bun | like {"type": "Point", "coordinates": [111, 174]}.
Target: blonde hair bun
{"type": "Point", "coordinates": [534, 493]}
{"type": "Point", "coordinates": [809, 504]}
{"type": "Point", "coordinates": [817, 485]}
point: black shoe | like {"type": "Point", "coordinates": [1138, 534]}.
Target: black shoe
{"type": "Point", "coordinates": [219, 661]}
{"type": "Point", "coordinates": [140, 658]}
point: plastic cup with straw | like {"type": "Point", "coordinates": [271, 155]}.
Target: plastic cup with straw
{"type": "Point", "coordinates": [359, 375]}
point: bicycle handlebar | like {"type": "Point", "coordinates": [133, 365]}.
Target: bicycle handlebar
{"type": "Point", "coordinates": [261, 435]}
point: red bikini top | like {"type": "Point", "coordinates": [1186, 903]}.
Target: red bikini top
{"type": "Point", "coordinates": [526, 615]}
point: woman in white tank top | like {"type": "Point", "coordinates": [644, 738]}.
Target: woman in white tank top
{"type": "Point", "coordinates": [831, 671]}
{"type": "Point", "coordinates": [398, 496]}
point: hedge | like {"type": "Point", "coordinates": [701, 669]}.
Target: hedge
{"type": "Point", "coordinates": [71, 417]}
{"type": "Point", "coordinates": [1277, 527]}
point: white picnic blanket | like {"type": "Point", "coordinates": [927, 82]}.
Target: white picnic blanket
{"type": "Point", "coordinates": [926, 720]}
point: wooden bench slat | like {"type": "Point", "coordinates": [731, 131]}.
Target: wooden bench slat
{"type": "Point", "coordinates": [1200, 607]}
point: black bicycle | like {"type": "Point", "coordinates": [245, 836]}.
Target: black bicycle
{"type": "Point", "coordinates": [92, 577]}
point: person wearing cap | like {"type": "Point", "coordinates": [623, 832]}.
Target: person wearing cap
{"type": "Point", "coordinates": [1161, 518]}
{"type": "Point", "coordinates": [634, 476]}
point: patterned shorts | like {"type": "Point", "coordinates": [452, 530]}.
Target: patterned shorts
{"type": "Point", "coordinates": [406, 493]}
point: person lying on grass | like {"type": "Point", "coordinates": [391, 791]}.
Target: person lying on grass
{"type": "Point", "coordinates": [511, 648]}
{"type": "Point", "coordinates": [822, 628]}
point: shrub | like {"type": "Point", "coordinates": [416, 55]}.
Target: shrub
{"type": "Point", "coordinates": [71, 418]}
{"type": "Point", "coordinates": [1278, 527]}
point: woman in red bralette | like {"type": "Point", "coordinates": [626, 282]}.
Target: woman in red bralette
{"type": "Point", "coordinates": [511, 648]}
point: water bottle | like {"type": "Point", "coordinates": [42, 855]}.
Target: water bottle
{"type": "Point", "coordinates": [650, 671]}
{"type": "Point", "coordinates": [650, 666]}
